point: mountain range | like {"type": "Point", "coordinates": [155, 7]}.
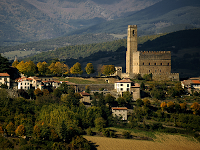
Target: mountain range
{"type": "Point", "coordinates": [33, 20]}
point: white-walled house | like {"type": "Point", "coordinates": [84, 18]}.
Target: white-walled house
{"type": "Point", "coordinates": [5, 79]}
{"type": "Point", "coordinates": [123, 85]}
{"type": "Point", "coordinates": [120, 112]}
{"type": "Point", "coordinates": [127, 85]}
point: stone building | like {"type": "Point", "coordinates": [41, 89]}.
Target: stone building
{"type": "Point", "coordinates": [120, 112]}
{"type": "Point", "coordinates": [157, 63]}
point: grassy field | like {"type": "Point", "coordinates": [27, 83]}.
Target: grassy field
{"type": "Point", "coordinates": [161, 142]}
{"type": "Point", "coordinates": [79, 80]}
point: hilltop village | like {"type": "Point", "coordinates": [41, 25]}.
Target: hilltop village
{"type": "Point", "coordinates": [148, 96]}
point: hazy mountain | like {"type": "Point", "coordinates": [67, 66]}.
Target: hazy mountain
{"type": "Point", "coordinates": [164, 16]}
{"type": "Point", "coordinates": [32, 20]}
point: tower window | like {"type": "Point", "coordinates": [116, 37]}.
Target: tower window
{"type": "Point", "coordinates": [155, 64]}
{"type": "Point", "coordinates": [133, 32]}
{"type": "Point", "coordinates": [143, 63]}
{"type": "Point", "coordinates": [149, 63]}
{"type": "Point", "coordinates": [149, 70]}
{"type": "Point", "coordinates": [161, 64]}
{"type": "Point", "coordinates": [168, 64]}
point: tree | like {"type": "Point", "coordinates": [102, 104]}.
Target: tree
{"type": "Point", "coordinates": [42, 67]}
{"type": "Point", "coordinates": [109, 99]}
{"type": "Point", "coordinates": [170, 106]}
{"type": "Point", "coordinates": [27, 68]}
{"type": "Point", "coordinates": [20, 130]}
{"type": "Point", "coordinates": [183, 107]}
{"type": "Point", "coordinates": [163, 105]}
{"type": "Point", "coordinates": [108, 69]}
{"type": "Point", "coordinates": [76, 69]}
{"type": "Point", "coordinates": [127, 96]}
{"type": "Point", "coordinates": [146, 102]}
{"type": "Point", "coordinates": [10, 128]}
{"type": "Point", "coordinates": [4, 64]}
{"type": "Point", "coordinates": [38, 92]}
{"type": "Point", "coordinates": [36, 131]}
{"type": "Point", "coordinates": [121, 101]}
{"type": "Point", "coordinates": [195, 108]}
{"type": "Point", "coordinates": [59, 68]}
{"type": "Point", "coordinates": [15, 63]}
{"type": "Point", "coordinates": [45, 92]}
{"type": "Point", "coordinates": [100, 123]}
{"type": "Point", "coordinates": [89, 68]}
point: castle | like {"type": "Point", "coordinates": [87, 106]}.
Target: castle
{"type": "Point", "coordinates": [157, 63]}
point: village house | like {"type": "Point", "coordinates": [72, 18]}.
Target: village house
{"type": "Point", "coordinates": [85, 97]}
{"type": "Point", "coordinates": [5, 79]}
{"type": "Point", "coordinates": [127, 85]}
{"type": "Point", "coordinates": [192, 84]}
{"type": "Point", "coordinates": [120, 112]}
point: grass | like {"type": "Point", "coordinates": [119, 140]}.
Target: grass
{"type": "Point", "coordinates": [79, 80]}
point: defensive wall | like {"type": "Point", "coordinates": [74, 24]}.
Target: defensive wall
{"type": "Point", "coordinates": [95, 87]}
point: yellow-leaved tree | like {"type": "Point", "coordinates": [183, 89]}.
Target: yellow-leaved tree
{"type": "Point", "coordinates": [20, 131]}
{"type": "Point", "coordinates": [59, 68]}
{"type": "Point", "coordinates": [195, 108]}
{"type": "Point", "coordinates": [27, 68]}
{"type": "Point", "coordinates": [163, 105]}
{"type": "Point", "coordinates": [42, 67]}
{"type": "Point", "coordinates": [76, 69]}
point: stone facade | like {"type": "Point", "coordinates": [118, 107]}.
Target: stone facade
{"type": "Point", "coordinates": [157, 63]}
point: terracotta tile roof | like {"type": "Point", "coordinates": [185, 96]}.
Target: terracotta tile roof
{"type": "Point", "coordinates": [136, 85]}
{"type": "Point", "coordinates": [4, 75]}
{"type": "Point", "coordinates": [84, 94]}
{"type": "Point", "coordinates": [124, 81]}
{"type": "Point", "coordinates": [119, 108]}
{"type": "Point", "coordinates": [196, 81]}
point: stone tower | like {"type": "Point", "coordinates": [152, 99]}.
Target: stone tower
{"type": "Point", "coordinates": [131, 48]}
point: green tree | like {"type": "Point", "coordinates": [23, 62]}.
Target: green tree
{"type": "Point", "coordinates": [4, 64]}
{"type": "Point", "coordinates": [89, 68]}
{"type": "Point", "coordinates": [109, 99]}
{"type": "Point", "coordinates": [127, 96]}
{"type": "Point", "coordinates": [76, 69]}
{"type": "Point", "coordinates": [10, 128]}
{"type": "Point", "coordinates": [121, 101]}
{"type": "Point", "coordinates": [38, 92]}
{"type": "Point", "coordinates": [100, 123]}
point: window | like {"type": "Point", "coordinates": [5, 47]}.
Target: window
{"type": "Point", "coordinates": [121, 85]}
{"type": "Point", "coordinates": [149, 63]}
{"type": "Point", "coordinates": [121, 89]}
{"type": "Point", "coordinates": [143, 63]}
{"type": "Point", "coordinates": [133, 32]}
{"type": "Point", "coordinates": [161, 64]}
{"type": "Point", "coordinates": [127, 85]}
{"type": "Point", "coordinates": [168, 64]}
{"type": "Point", "coordinates": [155, 64]}
{"type": "Point", "coordinates": [127, 89]}
{"type": "Point", "coordinates": [149, 70]}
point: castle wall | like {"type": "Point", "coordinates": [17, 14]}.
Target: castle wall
{"type": "Point", "coordinates": [154, 62]}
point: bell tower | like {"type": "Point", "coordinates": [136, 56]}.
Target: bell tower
{"type": "Point", "coordinates": [131, 47]}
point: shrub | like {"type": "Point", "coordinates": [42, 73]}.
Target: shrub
{"type": "Point", "coordinates": [89, 131]}
{"type": "Point", "coordinates": [126, 134]}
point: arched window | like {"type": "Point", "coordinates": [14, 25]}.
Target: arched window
{"type": "Point", "coordinates": [133, 32]}
{"type": "Point", "coordinates": [161, 64]}
{"type": "Point", "coordinates": [143, 63]}
{"type": "Point", "coordinates": [149, 63]}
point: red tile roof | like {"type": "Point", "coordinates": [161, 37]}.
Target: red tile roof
{"type": "Point", "coordinates": [4, 75]}
{"type": "Point", "coordinates": [124, 81]}
{"type": "Point", "coordinates": [119, 108]}
{"type": "Point", "coordinates": [196, 81]}
{"type": "Point", "coordinates": [84, 94]}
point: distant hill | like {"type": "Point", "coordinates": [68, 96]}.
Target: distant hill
{"type": "Point", "coordinates": [164, 16]}
{"type": "Point", "coordinates": [24, 21]}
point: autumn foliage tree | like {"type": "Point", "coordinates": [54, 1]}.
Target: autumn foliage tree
{"type": "Point", "coordinates": [27, 68]}
{"type": "Point", "coordinates": [59, 68]}
{"type": "Point", "coordinates": [42, 67]}
{"type": "Point", "coordinates": [108, 69]}
{"type": "Point", "coordinates": [195, 108]}
{"type": "Point", "coordinates": [38, 92]}
{"type": "Point", "coordinates": [20, 131]}
{"type": "Point", "coordinates": [163, 105]}
{"type": "Point", "coordinates": [76, 69]}
{"type": "Point", "coordinates": [89, 68]}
